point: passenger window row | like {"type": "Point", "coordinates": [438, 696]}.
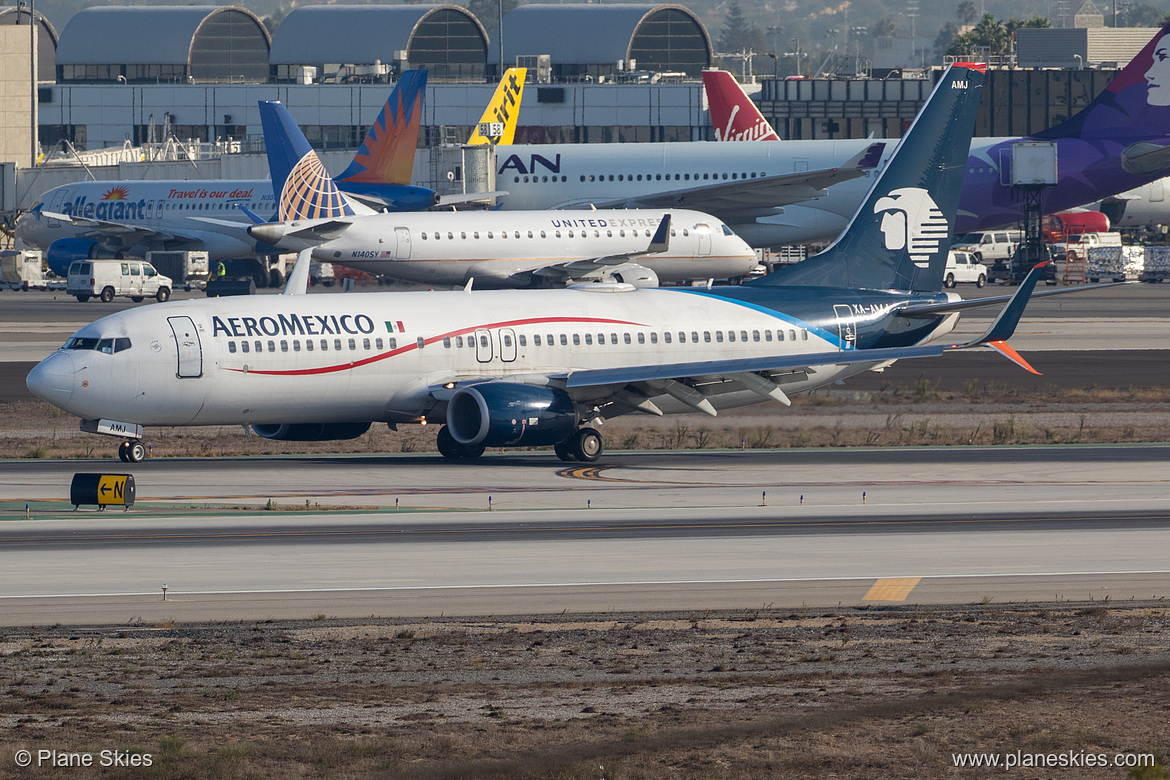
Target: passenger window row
{"type": "Point", "coordinates": [485, 342]}
{"type": "Point", "coordinates": [645, 177]}
{"type": "Point", "coordinates": [516, 234]}
{"type": "Point", "coordinates": [309, 345]}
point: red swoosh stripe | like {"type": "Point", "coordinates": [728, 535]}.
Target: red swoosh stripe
{"type": "Point", "coordinates": [432, 340]}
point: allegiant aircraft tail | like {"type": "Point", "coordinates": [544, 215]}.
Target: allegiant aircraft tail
{"type": "Point", "coordinates": [733, 114]}
{"type": "Point", "coordinates": [899, 238]}
{"type": "Point", "coordinates": [387, 154]}
{"type": "Point", "coordinates": [498, 123]}
{"type": "Point", "coordinates": [300, 182]}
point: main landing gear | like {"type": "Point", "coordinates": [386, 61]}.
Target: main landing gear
{"type": "Point", "coordinates": [453, 450]}
{"type": "Point", "coordinates": [132, 451]}
{"type": "Point", "coordinates": [585, 445]}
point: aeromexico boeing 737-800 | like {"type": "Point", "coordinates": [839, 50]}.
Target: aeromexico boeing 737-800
{"type": "Point", "coordinates": [542, 367]}
{"type": "Point", "coordinates": [114, 218]}
{"type": "Point", "coordinates": [496, 249]}
{"type": "Point", "coordinates": [764, 191]}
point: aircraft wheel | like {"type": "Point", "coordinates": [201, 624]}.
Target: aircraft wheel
{"type": "Point", "coordinates": [107, 295]}
{"type": "Point", "coordinates": [564, 451]}
{"type": "Point", "coordinates": [448, 447]}
{"type": "Point", "coordinates": [122, 452]}
{"type": "Point", "coordinates": [135, 451]}
{"type": "Point", "coordinates": [471, 451]}
{"type": "Point", "coordinates": [586, 445]}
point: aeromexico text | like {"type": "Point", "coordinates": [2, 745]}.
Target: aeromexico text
{"type": "Point", "coordinates": [294, 325]}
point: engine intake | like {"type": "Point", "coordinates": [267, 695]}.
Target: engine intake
{"type": "Point", "coordinates": [64, 251]}
{"type": "Point", "coordinates": [506, 414]}
{"type": "Point", "coordinates": [312, 431]}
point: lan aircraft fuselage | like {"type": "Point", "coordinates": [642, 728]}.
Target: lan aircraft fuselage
{"type": "Point", "coordinates": [1116, 143]}
{"type": "Point", "coordinates": [540, 367]}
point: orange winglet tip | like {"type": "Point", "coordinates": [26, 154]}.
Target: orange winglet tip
{"type": "Point", "coordinates": [1004, 349]}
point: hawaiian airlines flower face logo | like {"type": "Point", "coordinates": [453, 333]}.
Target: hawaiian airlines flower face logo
{"type": "Point", "coordinates": [121, 192]}
{"type": "Point", "coordinates": [1158, 75]}
{"type": "Point", "coordinates": [309, 193]}
{"type": "Point", "coordinates": [912, 221]}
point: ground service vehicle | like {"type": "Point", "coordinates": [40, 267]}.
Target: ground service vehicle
{"type": "Point", "coordinates": [962, 267]}
{"type": "Point", "coordinates": [107, 279]}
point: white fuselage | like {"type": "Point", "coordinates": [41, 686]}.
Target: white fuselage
{"type": "Point", "coordinates": [164, 208]}
{"type": "Point", "coordinates": [386, 356]}
{"type": "Point", "coordinates": [500, 248]}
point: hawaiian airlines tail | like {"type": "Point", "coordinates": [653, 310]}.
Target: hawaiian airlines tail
{"type": "Point", "coordinates": [387, 154]}
{"type": "Point", "coordinates": [498, 123]}
{"type": "Point", "coordinates": [1136, 103]}
{"type": "Point", "coordinates": [733, 114]}
{"type": "Point", "coordinates": [300, 182]}
{"type": "Point", "coordinates": [898, 239]}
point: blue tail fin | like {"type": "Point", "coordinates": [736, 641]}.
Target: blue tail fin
{"type": "Point", "coordinates": [1135, 104]}
{"type": "Point", "coordinates": [898, 239]}
{"type": "Point", "coordinates": [302, 185]}
{"type": "Point", "coordinates": [387, 154]}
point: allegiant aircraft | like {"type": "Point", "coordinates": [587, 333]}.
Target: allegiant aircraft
{"type": "Point", "coordinates": [1116, 143]}
{"type": "Point", "coordinates": [520, 368]}
{"type": "Point", "coordinates": [112, 218]}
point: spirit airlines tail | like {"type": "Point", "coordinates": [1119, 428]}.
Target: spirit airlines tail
{"type": "Point", "coordinates": [498, 123]}
{"type": "Point", "coordinates": [1116, 143]}
{"type": "Point", "coordinates": [542, 367]}
{"type": "Point", "coordinates": [734, 115]}
{"type": "Point", "coordinates": [496, 249]}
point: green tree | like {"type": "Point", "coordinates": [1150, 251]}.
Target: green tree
{"type": "Point", "coordinates": [884, 29]}
{"type": "Point", "coordinates": [739, 34]}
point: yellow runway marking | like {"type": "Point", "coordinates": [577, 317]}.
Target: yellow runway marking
{"type": "Point", "coordinates": [891, 589]}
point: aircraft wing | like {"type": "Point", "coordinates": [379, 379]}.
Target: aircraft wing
{"type": "Point", "coordinates": [755, 197]}
{"type": "Point", "coordinates": [118, 235]}
{"type": "Point", "coordinates": [594, 266]}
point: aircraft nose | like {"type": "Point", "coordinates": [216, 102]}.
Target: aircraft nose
{"type": "Point", "coordinates": [51, 380]}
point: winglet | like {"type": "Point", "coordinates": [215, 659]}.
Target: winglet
{"type": "Point", "coordinates": [661, 240]}
{"type": "Point", "coordinates": [252, 215]}
{"type": "Point", "coordinates": [298, 280]}
{"type": "Point", "coordinates": [1002, 348]}
{"type": "Point", "coordinates": [1005, 324]}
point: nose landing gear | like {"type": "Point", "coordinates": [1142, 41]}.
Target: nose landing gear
{"type": "Point", "coordinates": [132, 451]}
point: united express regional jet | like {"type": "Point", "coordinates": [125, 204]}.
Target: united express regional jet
{"type": "Point", "coordinates": [496, 249]}
{"type": "Point", "coordinates": [513, 368]}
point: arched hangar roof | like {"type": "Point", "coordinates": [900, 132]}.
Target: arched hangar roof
{"type": "Point", "coordinates": [664, 37]}
{"type": "Point", "coordinates": [46, 38]}
{"type": "Point", "coordinates": [212, 41]}
{"type": "Point", "coordinates": [363, 34]}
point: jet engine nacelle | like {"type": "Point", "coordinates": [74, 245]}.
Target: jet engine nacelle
{"type": "Point", "coordinates": [506, 414]}
{"type": "Point", "coordinates": [312, 431]}
{"type": "Point", "coordinates": [637, 275]}
{"type": "Point", "coordinates": [64, 251]}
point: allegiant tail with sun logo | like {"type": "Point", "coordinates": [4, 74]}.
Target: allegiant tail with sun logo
{"type": "Point", "coordinates": [512, 368]}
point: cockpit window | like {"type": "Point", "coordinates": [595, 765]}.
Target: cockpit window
{"type": "Point", "coordinates": [109, 346]}
{"type": "Point", "coordinates": [81, 343]}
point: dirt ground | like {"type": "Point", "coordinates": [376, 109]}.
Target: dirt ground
{"type": "Point", "coordinates": [879, 692]}
{"type": "Point", "coordinates": [918, 415]}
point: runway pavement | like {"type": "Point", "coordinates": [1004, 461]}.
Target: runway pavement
{"type": "Point", "coordinates": [650, 531]}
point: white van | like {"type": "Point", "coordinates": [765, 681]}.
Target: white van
{"type": "Point", "coordinates": [963, 267]}
{"type": "Point", "coordinates": [987, 246]}
{"type": "Point", "coordinates": [105, 279]}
